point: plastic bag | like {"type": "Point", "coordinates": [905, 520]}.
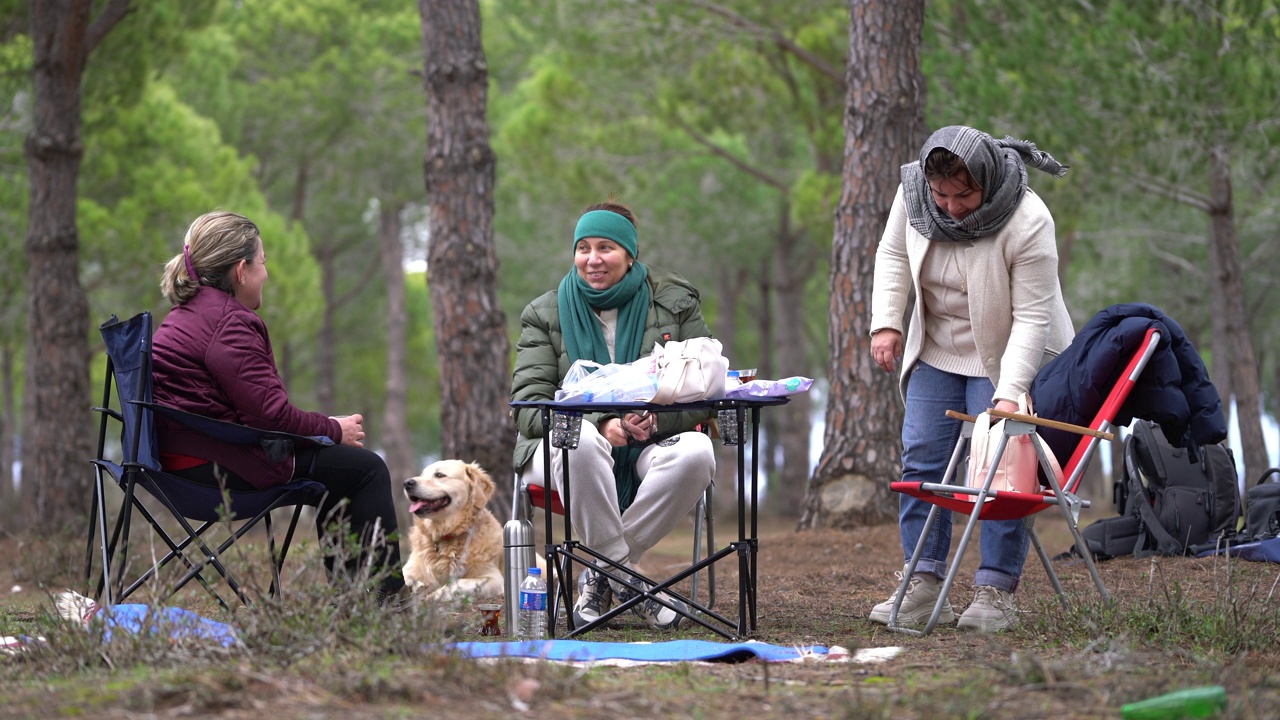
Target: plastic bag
{"type": "Point", "coordinates": [770, 388]}
{"type": "Point", "coordinates": [589, 381]}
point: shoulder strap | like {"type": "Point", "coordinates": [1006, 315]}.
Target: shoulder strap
{"type": "Point", "coordinates": [670, 378]}
{"type": "Point", "coordinates": [1140, 502]}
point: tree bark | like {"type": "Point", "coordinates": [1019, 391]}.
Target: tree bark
{"type": "Point", "coordinates": [7, 405]}
{"type": "Point", "coordinates": [462, 265]}
{"type": "Point", "coordinates": [787, 483]}
{"type": "Point", "coordinates": [57, 439]}
{"type": "Point", "coordinates": [1239, 344]}
{"type": "Point", "coordinates": [883, 126]}
{"type": "Point", "coordinates": [396, 441]}
{"type": "Point", "coordinates": [326, 337]}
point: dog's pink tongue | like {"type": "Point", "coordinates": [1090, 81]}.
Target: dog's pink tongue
{"type": "Point", "coordinates": [417, 505]}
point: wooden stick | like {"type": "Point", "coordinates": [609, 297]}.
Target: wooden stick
{"type": "Point", "coordinates": [1043, 422]}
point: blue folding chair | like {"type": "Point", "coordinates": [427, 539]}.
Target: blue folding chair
{"type": "Point", "coordinates": [128, 346]}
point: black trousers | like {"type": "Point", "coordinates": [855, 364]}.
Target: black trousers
{"type": "Point", "coordinates": [359, 496]}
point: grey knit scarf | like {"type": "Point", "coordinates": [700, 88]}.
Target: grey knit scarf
{"type": "Point", "coordinates": [998, 166]}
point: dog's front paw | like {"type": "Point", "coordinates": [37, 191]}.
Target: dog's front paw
{"type": "Point", "coordinates": [444, 594]}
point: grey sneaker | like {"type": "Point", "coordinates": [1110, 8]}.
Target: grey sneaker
{"type": "Point", "coordinates": [653, 613]}
{"type": "Point", "coordinates": [992, 610]}
{"type": "Point", "coordinates": [917, 606]}
{"type": "Point", "coordinates": [594, 597]}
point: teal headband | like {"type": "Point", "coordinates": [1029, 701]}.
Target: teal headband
{"type": "Point", "coordinates": [608, 224]}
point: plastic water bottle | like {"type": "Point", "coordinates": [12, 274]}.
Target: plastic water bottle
{"type": "Point", "coordinates": [533, 606]}
{"type": "Point", "coordinates": [1199, 702]}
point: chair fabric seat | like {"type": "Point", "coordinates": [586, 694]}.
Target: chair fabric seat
{"type": "Point", "coordinates": [1000, 505]}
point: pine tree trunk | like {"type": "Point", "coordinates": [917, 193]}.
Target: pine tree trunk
{"type": "Point", "coordinates": [462, 265]}
{"type": "Point", "coordinates": [396, 440]}
{"type": "Point", "coordinates": [1230, 285]}
{"type": "Point", "coordinates": [7, 405]}
{"type": "Point", "coordinates": [326, 337]}
{"type": "Point", "coordinates": [787, 484]}
{"type": "Point", "coordinates": [883, 126]}
{"type": "Point", "coordinates": [57, 439]}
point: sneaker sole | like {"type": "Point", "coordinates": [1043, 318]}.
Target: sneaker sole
{"type": "Point", "coordinates": [984, 626]}
{"type": "Point", "coordinates": [920, 617]}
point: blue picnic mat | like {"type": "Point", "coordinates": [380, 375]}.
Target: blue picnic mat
{"type": "Point", "coordinates": [667, 651]}
{"type": "Point", "coordinates": [174, 622]}
{"type": "Point", "coordinates": [1260, 551]}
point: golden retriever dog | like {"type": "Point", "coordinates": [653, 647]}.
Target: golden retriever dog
{"type": "Point", "coordinates": [457, 542]}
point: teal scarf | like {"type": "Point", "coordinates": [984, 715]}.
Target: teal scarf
{"type": "Point", "coordinates": [584, 340]}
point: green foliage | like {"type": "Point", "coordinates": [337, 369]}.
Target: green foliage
{"type": "Point", "coordinates": [149, 169]}
{"type": "Point", "coordinates": [152, 35]}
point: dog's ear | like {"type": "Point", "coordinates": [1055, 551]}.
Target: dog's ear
{"type": "Point", "coordinates": [482, 481]}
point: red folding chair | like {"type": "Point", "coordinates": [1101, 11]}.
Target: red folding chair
{"type": "Point", "coordinates": [953, 495]}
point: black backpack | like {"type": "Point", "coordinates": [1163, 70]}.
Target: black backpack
{"type": "Point", "coordinates": [1170, 504]}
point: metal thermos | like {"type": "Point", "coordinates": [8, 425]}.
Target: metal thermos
{"type": "Point", "coordinates": [517, 557]}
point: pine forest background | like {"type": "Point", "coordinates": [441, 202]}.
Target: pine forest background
{"type": "Point", "coordinates": [723, 124]}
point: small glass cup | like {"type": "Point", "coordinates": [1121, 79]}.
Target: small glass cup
{"type": "Point", "coordinates": [492, 614]}
{"type": "Point", "coordinates": [566, 427]}
{"type": "Point", "coordinates": [746, 375]}
{"type": "Point", "coordinates": [727, 421]}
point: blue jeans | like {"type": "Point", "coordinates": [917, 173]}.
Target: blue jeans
{"type": "Point", "coordinates": [928, 439]}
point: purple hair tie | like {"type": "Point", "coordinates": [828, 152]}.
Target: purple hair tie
{"type": "Point", "coordinates": [191, 271]}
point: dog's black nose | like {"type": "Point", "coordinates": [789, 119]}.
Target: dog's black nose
{"type": "Point", "coordinates": [410, 483]}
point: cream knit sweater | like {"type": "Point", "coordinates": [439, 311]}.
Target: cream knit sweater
{"type": "Point", "coordinates": [1016, 313]}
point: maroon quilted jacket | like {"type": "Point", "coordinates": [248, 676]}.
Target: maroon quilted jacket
{"type": "Point", "coordinates": [212, 356]}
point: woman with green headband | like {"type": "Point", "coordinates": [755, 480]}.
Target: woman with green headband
{"type": "Point", "coordinates": [634, 477]}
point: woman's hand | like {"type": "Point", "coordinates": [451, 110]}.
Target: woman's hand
{"type": "Point", "coordinates": [632, 427]}
{"type": "Point", "coordinates": [352, 429]}
{"type": "Point", "coordinates": [1007, 406]}
{"type": "Point", "coordinates": [886, 348]}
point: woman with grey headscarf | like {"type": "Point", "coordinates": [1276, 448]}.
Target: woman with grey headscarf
{"type": "Point", "coordinates": [977, 246]}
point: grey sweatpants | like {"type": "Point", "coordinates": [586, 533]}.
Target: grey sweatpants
{"type": "Point", "coordinates": [674, 474]}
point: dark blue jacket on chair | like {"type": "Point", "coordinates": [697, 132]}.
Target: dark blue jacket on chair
{"type": "Point", "coordinates": [1174, 391]}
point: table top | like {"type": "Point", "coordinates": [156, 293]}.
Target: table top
{"type": "Point", "coordinates": [717, 404]}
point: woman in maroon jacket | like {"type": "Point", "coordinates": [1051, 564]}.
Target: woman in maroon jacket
{"type": "Point", "coordinates": [212, 356]}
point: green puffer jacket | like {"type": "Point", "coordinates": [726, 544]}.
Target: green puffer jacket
{"type": "Point", "coordinates": [542, 361]}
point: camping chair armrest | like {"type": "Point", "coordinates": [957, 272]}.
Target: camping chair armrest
{"type": "Point", "coordinates": [1034, 420]}
{"type": "Point", "coordinates": [230, 432]}
{"type": "Point", "coordinates": [108, 411]}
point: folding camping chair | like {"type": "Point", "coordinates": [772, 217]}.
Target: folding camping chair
{"type": "Point", "coordinates": [526, 497]}
{"type": "Point", "coordinates": [951, 493]}
{"type": "Point", "coordinates": [128, 346]}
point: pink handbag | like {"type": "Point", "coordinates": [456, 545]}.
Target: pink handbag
{"type": "Point", "coordinates": [1018, 467]}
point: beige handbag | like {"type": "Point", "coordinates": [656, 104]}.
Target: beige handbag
{"type": "Point", "coordinates": [690, 370]}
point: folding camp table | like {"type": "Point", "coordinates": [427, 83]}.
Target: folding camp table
{"type": "Point", "coordinates": [561, 556]}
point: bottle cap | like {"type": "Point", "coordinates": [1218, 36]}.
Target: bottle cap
{"type": "Point", "coordinates": [535, 571]}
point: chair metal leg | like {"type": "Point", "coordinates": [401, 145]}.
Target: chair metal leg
{"type": "Point", "coordinates": [699, 515]}
{"type": "Point", "coordinates": [1048, 564]}
{"type": "Point", "coordinates": [1070, 504]}
{"type": "Point", "coordinates": [98, 520]}
{"type": "Point", "coordinates": [954, 568]}
{"type": "Point", "coordinates": [284, 549]}
{"type": "Point", "coordinates": [709, 514]}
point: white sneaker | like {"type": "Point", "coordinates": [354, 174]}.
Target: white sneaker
{"type": "Point", "coordinates": [653, 613]}
{"type": "Point", "coordinates": [594, 597]}
{"type": "Point", "coordinates": [992, 610]}
{"type": "Point", "coordinates": [917, 606]}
